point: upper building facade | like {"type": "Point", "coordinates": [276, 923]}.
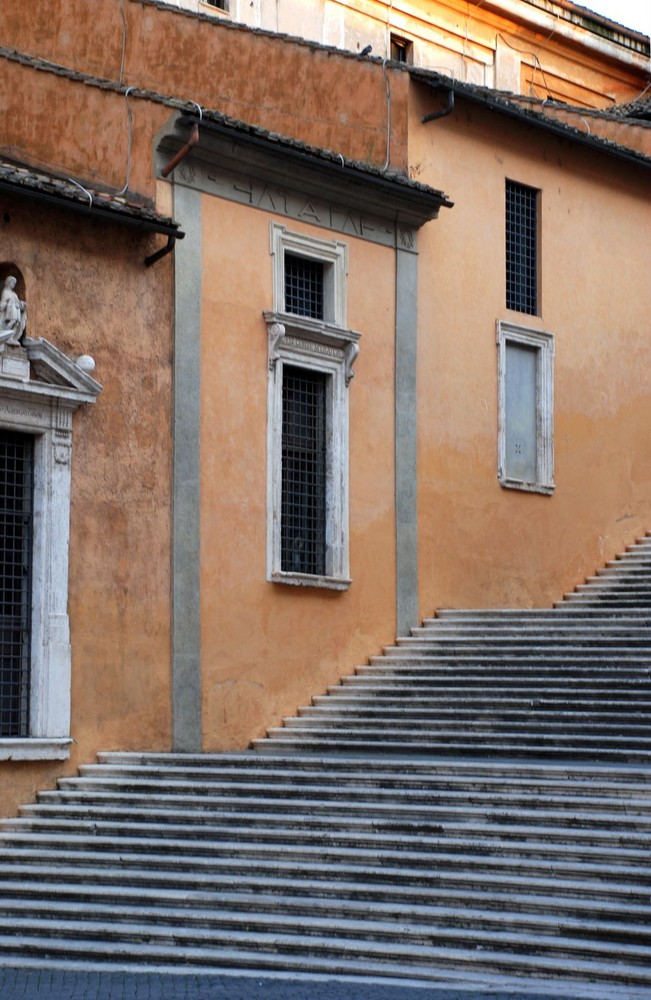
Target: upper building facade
{"type": "Point", "coordinates": [540, 48]}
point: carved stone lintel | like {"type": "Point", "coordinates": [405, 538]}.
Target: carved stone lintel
{"type": "Point", "coordinates": [351, 351]}
{"type": "Point", "coordinates": [276, 333]}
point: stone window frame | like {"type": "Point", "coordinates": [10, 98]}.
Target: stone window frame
{"type": "Point", "coordinates": [43, 408]}
{"type": "Point", "coordinates": [543, 343]}
{"type": "Point", "coordinates": [328, 347]}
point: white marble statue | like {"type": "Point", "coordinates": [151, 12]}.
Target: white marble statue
{"type": "Point", "coordinates": [13, 313]}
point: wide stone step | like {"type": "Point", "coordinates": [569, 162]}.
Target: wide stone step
{"type": "Point", "coordinates": [590, 882]}
{"type": "Point", "coordinates": [332, 956]}
{"type": "Point", "coordinates": [407, 683]}
{"type": "Point", "coordinates": [148, 786]}
{"type": "Point", "coordinates": [369, 922]}
{"type": "Point", "coordinates": [531, 628]}
{"type": "Point", "coordinates": [543, 836]}
{"type": "Point", "coordinates": [600, 812]}
{"type": "Point", "coordinates": [538, 615]}
{"type": "Point", "coordinates": [596, 812]}
{"type": "Point", "coordinates": [403, 768]}
{"type": "Point", "coordinates": [595, 641]}
{"type": "Point", "coordinates": [342, 699]}
{"type": "Point", "coordinates": [554, 719]}
{"type": "Point", "coordinates": [499, 746]}
{"type": "Point", "coordinates": [299, 893]}
{"type": "Point", "coordinates": [575, 726]}
{"type": "Point", "coordinates": [496, 910]}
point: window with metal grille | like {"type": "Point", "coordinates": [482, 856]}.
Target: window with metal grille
{"type": "Point", "coordinates": [521, 248]}
{"type": "Point", "coordinates": [16, 504]}
{"type": "Point", "coordinates": [303, 286]}
{"type": "Point", "coordinates": [303, 501]}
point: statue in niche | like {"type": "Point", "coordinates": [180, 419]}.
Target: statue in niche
{"type": "Point", "coordinates": [13, 313]}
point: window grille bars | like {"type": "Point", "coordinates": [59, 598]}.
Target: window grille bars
{"type": "Point", "coordinates": [521, 248]}
{"type": "Point", "coordinates": [303, 500]}
{"type": "Point", "coordinates": [303, 286]}
{"type": "Point", "coordinates": [16, 528]}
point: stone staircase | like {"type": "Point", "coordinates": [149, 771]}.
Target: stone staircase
{"type": "Point", "coordinates": [472, 807]}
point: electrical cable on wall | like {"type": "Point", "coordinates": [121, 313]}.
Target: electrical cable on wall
{"type": "Point", "coordinates": [124, 41]}
{"type": "Point", "coordinates": [124, 189]}
{"type": "Point", "coordinates": [536, 61]}
{"type": "Point", "coordinates": [387, 54]}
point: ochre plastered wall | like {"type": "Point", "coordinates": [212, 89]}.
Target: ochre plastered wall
{"type": "Point", "coordinates": [481, 544]}
{"type": "Point", "coordinates": [268, 647]}
{"type": "Point", "coordinates": [251, 76]}
{"type": "Point", "coordinates": [88, 292]}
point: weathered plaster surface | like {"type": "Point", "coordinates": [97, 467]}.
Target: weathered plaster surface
{"type": "Point", "coordinates": [89, 292]}
{"type": "Point", "coordinates": [481, 545]}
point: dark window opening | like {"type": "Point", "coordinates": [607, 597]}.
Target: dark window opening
{"type": "Point", "coordinates": [303, 502]}
{"type": "Point", "coordinates": [16, 526]}
{"type": "Point", "coordinates": [521, 248]}
{"type": "Point", "coordinates": [220, 4]}
{"type": "Point", "coordinates": [304, 286]}
{"type": "Point", "coordinates": [402, 49]}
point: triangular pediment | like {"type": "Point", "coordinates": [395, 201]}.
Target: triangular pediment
{"type": "Point", "coordinates": [38, 368]}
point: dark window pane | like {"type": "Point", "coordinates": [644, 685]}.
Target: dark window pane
{"type": "Point", "coordinates": [521, 248]}
{"type": "Point", "coordinates": [303, 505]}
{"type": "Point", "coordinates": [16, 496]}
{"type": "Point", "coordinates": [303, 286]}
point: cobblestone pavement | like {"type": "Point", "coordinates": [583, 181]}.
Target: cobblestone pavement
{"type": "Point", "coordinates": [66, 984]}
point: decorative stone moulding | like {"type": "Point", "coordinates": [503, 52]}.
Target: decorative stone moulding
{"type": "Point", "coordinates": [311, 337]}
{"type": "Point", "coordinates": [40, 388]}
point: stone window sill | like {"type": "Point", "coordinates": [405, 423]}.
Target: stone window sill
{"type": "Point", "coordinates": [38, 748]}
{"type": "Point", "coordinates": [307, 580]}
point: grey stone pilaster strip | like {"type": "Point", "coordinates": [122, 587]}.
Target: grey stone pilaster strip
{"type": "Point", "coordinates": [186, 624]}
{"type": "Point", "coordinates": [406, 441]}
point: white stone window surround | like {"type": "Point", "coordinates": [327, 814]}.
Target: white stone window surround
{"type": "Point", "coordinates": [43, 408]}
{"type": "Point", "coordinates": [324, 346]}
{"type": "Point", "coordinates": [333, 254]}
{"type": "Point", "coordinates": [543, 343]}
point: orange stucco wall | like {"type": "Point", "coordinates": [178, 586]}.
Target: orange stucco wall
{"type": "Point", "coordinates": [88, 292]}
{"type": "Point", "coordinates": [252, 76]}
{"type": "Point", "coordinates": [268, 647]}
{"type": "Point", "coordinates": [481, 544]}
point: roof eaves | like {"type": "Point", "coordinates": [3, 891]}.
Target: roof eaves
{"type": "Point", "coordinates": [74, 195]}
{"type": "Point", "coordinates": [325, 160]}
{"type": "Point", "coordinates": [509, 106]}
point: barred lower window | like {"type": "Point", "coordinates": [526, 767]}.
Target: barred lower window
{"type": "Point", "coordinates": [303, 286]}
{"type": "Point", "coordinates": [521, 248]}
{"type": "Point", "coordinates": [311, 354]}
{"type": "Point", "coordinates": [303, 503]}
{"type": "Point", "coordinates": [16, 530]}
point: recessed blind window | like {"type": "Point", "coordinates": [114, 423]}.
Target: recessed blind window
{"type": "Point", "coordinates": [16, 503]}
{"type": "Point", "coordinates": [521, 248]}
{"type": "Point", "coordinates": [303, 286]}
{"type": "Point", "coordinates": [521, 409]}
{"type": "Point", "coordinates": [303, 504]}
